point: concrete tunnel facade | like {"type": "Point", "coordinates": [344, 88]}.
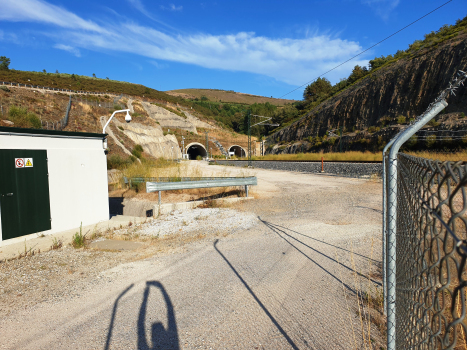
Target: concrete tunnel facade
{"type": "Point", "coordinates": [196, 149]}
{"type": "Point", "coordinates": [238, 150]}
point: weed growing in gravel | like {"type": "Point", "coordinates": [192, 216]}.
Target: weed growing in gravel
{"type": "Point", "coordinates": [79, 239]}
{"type": "Point", "coordinates": [369, 310]}
{"type": "Point", "coordinates": [56, 244]}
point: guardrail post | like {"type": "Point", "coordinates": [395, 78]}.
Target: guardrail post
{"type": "Point", "coordinates": [246, 190]}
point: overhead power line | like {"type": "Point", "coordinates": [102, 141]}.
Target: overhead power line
{"type": "Point", "coordinates": [400, 30]}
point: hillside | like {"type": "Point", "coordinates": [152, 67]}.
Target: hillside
{"type": "Point", "coordinates": [226, 96]}
{"type": "Point", "coordinates": [370, 109]}
{"type": "Point", "coordinates": [156, 131]}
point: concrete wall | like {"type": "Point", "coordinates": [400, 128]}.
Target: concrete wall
{"type": "Point", "coordinates": [77, 178]}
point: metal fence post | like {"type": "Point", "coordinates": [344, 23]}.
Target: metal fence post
{"type": "Point", "coordinates": [384, 238]}
{"type": "Point", "coordinates": [392, 217]}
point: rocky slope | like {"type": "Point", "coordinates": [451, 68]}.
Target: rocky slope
{"type": "Point", "coordinates": [152, 140]}
{"type": "Point", "coordinates": [405, 87]}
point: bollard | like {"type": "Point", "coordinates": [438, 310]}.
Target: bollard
{"type": "Point", "coordinates": [322, 164]}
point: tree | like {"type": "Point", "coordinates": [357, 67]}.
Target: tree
{"type": "Point", "coordinates": [4, 63]}
{"type": "Point", "coordinates": [357, 73]}
{"type": "Point", "coordinates": [44, 71]}
{"type": "Point", "coordinates": [317, 90]}
{"type": "Point", "coordinates": [93, 75]}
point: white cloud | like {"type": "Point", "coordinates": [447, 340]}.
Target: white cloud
{"type": "Point", "coordinates": [159, 65]}
{"type": "Point", "coordinates": [382, 8]}
{"type": "Point", "coordinates": [172, 7]}
{"type": "Point", "coordinates": [68, 48]}
{"type": "Point", "coordinates": [287, 60]}
{"type": "Point", "coordinates": [137, 4]}
{"type": "Point", "coordinates": [41, 11]}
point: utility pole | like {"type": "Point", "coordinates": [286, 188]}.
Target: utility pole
{"type": "Point", "coordinates": [207, 145]}
{"type": "Point", "coordinates": [249, 139]}
{"type": "Point", "coordinates": [183, 147]}
{"type": "Point", "coordinates": [263, 122]}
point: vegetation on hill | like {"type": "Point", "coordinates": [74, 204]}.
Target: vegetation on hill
{"type": "Point", "coordinates": [228, 115]}
{"type": "Point", "coordinates": [321, 89]}
{"type": "Point", "coordinates": [231, 96]}
{"type": "Point", "coordinates": [82, 82]}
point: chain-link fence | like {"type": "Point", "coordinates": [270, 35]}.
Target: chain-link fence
{"type": "Point", "coordinates": [431, 254]}
{"type": "Point", "coordinates": [424, 243]}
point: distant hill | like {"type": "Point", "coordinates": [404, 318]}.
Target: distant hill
{"type": "Point", "coordinates": [226, 96]}
{"type": "Point", "coordinates": [83, 83]}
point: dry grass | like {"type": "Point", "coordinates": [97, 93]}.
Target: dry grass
{"type": "Point", "coordinates": [346, 156]}
{"type": "Point", "coordinates": [227, 96]}
{"type": "Point", "coordinates": [368, 308]}
{"type": "Point", "coordinates": [442, 156]}
{"type": "Point", "coordinates": [363, 156]}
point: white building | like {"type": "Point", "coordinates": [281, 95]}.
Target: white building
{"type": "Point", "coordinates": [51, 181]}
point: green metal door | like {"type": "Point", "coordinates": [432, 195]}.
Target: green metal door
{"type": "Point", "coordinates": [24, 192]}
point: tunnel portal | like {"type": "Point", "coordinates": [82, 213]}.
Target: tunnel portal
{"type": "Point", "coordinates": [196, 149]}
{"type": "Point", "coordinates": [238, 150]}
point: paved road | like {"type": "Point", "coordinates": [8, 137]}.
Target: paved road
{"type": "Point", "coordinates": [280, 285]}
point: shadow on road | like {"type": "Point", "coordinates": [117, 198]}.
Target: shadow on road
{"type": "Point", "coordinates": [114, 313]}
{"type": "Point", "coordinates": [161, 338]}
{"type": "Point", "coordinates": [281, 232]}
{"type": "Point", "coordinates": [317, 240]}
{"type": "Point", "coordinates": [278, 326]}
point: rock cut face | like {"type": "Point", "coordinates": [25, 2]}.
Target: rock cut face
{"type": "Point", "coordinates": [152, 140]}
{"type": "Point", "coordinates": [167, 119]}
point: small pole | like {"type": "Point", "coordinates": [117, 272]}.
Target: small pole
{"type": "Point", "coordinates": [159, 198]}
{"type": "Point", "coordinates": [246, 190]}
{"type": "Point", "coordinates": [322, 164]}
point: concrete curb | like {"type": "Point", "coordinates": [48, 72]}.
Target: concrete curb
{"type": "Point", "coordinates": [12, 248]}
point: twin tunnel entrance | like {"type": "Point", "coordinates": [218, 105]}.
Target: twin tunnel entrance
{"type": "Point", "coordinates": [195, 150]}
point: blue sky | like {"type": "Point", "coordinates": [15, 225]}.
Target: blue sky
{"type": "Point", "coordinates": [260, 47]}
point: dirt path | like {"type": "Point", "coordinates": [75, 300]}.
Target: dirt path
{"type": "Point", "coordinates": [288, 281]}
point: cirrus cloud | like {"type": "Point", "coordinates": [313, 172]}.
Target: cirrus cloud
{"type": "Point", "coordinates": [285, 59]}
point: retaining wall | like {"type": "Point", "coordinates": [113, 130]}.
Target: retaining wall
{"type": "Point", "coordinates": [335, 168]}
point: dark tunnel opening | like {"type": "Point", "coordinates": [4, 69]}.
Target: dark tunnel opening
{"type": "Point", "coordinates": [239, 151]}
{"type": "Point", "coordinates": [196, 150]}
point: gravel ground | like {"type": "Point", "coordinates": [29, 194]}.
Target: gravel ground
{"type": "Point", "coordinates": [208, 220]}
{"type": "Point", "coordinates": [281, 272]}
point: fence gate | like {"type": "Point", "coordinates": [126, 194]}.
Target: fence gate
{"type": "Point", "coordinates": [24, 193]}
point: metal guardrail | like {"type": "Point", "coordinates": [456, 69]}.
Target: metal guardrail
{"type": "Point", "coordinates": [201, 183]}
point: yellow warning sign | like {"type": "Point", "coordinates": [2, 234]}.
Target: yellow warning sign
{"type": "Point", "coordinates": [29, 163]}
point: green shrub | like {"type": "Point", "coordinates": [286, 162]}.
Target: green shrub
{"type": "Point", "coordinates": [117, 162]}
{"type": "Point", "coordinates": [4, 88]}
{"type": "Point", "coordinates": [401, 119]}
{"type": "Point", "coordinates": [78, 239]}
{"type": "Point", "coordinates": [430, 141]}
{"type": "Point", "coordinates": [462, 115]}
{"type": "Point", "coordinates": [433, 123]}
{"type": "Point", "coordinates": [199, 158]}
{"type": "Point", "coordinates": [24, 119]}
{"type": "Point", "coordinates": [412, 141]}
{"type": "Point", "coordinates": [137, 151]}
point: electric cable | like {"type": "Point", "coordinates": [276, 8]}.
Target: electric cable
{"type": "Point", "coordinates": [400, 30]}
